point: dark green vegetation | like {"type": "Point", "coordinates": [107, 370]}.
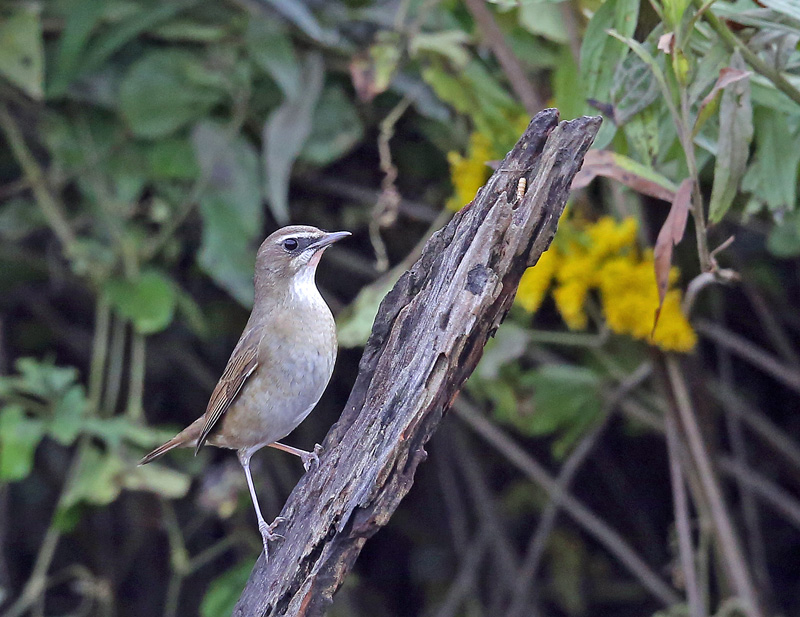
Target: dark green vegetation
{"type": "Point", "coordinates": [148, 147]}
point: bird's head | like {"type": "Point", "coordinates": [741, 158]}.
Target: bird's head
{"type": "Point", "coordinates": [290, 256]}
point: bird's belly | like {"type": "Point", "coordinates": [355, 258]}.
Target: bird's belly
{"type": "Point", "coordinates": [272, 403]}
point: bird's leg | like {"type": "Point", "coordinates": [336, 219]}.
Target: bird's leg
{"type": "Point", "coordinates": [309, 458]}
{"type": "Point", "coordinates": [265, 529]}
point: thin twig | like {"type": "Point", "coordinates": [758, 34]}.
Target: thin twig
{"type": "Point", "coordinates": [453, 503]}
{"type": "Point", "coordinates": [51, 207]}
{"type": "Point", "coordinates": [749, 507]}
{"type": "Point", "coordinates": [569, 469]}
{"type": "Point", "coordinates": [464, 583]}
{"type": "Point", "coordinates": [589, 521]}
{"type": "Point", "coordinates": [758, 423]}
{"type": "Point", "coordinates": [734, 561]}
{"type": "Point", "coordinates": [136, 368]}
{"type": "Point", "coordinates": [682, 525]}
{"type": "Point", "coordinates": [384, 214]}
{"type": "Point", "coordinates": [746, 350]}
{"type": "Point", "coordinates": [538, 542]}
{"type": "Point", "coordinates": [102, 322]}
{"type": "Point", "coordinates": [768, 491]}
{"type": "Point", "coordinates": [483, 502]}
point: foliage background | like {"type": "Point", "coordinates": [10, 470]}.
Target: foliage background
{"type": "Point", "coordinates": [148, 148]}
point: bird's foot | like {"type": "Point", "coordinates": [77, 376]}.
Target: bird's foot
{"type": "Point", "coordinates": [311, 459]}
{"type": "Point", "coordinates": [268, 533]}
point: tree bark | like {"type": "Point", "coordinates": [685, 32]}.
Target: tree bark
{"type": "Point", "coordinates": [426, 340]}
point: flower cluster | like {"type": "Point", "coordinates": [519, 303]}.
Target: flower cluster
{"type": "Point", "coordinates": [603, 257]}
{"type": "Point", "coordinates": [469, 173]}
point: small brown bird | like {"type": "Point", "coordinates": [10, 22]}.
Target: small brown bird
{"type": "Point", "coordinates": [281, 364]}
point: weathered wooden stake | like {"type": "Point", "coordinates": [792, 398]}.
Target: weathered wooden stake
{"type": "Point", "coordinates": [426, 340]}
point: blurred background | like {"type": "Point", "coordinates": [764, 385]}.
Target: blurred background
{"type": "Point", "coordinates": [598, 462]}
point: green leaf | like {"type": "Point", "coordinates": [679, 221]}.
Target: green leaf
{"type": "Point", "coordinates": [270, 48]}
{"type": "Point", "coordinates": [354, 324]}
{"type": "Point", "coordinates": [790, 8]}
{"type": "Point", "coordinates": [568, 401]}
{"type": "Point", "coordinates": [224, 591]}
{"type": "Point", "coordinates": [773, 175]}
{"type": "Point", "coordinates": [300, 15]}
{"type": "Point", "coordinates": [448, 43]}
{"type": "Point", "coordinates": [633, 88]}
{"type": "Point", "coordinates": [157, 479]}
{"type": "Point", "coordinates": [545, 20]}
{"type": "Point", "coordinates": [735, 134]}
{"type": "Point", "coordinates": [68, 414]}
{"type": "Point", "coordinates": [19, 436]}
{"type": "Point", "coordinates": [118, 429]}
{"type": "Point", "coordinates": [230, 207]}
{"type": "Point", "coordinates": [600, 52]}
{"type": "Point", "coordinates": [475, 92]}
{"type": "Point", "coordinates": [98, 479]}
{"type": "Point", "coordinates": [165, 90]}
{"type": "Point", "coordinates": [285, 132]}
{"type": "Point", "coordinates": [335, 129]}
{"type": "Point", "coordinates": [20, 217]}
{"type": "Point", "coordinates": [673, 12]}
{"type": "Point", "coordinates": [507, 346]}
{"type": "Point", "coordinates": [22, 50]}
{"type": "Point", "coordinates": [77, 56]}
{"type": "Point", "coordinates": [43, 379]}
{"type": "Point", "coordinates": [186, 30]}
{"type": "Point", "coordinates": [82, 17]}
{"type": "Point", "coordinates": [784, 239]}
{"type": "Point", "coordinates": [171, 159]}
{"type": "Point", "coordinates": [570, 99]}
{"type": "Point", "coordinates": [148, 301]}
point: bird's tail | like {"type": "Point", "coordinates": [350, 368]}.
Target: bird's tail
{"type": "Point", "coordinates": [175, 442]}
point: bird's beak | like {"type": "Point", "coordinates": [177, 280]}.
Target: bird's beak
{"type": "Point", "coordinates": [329, 239]}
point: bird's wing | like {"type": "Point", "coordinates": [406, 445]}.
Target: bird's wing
{"type": "Point", "coordinates": [242, 363]}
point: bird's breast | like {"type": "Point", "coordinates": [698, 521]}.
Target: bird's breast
{"type": "Point", "coordinates": [296, 359]}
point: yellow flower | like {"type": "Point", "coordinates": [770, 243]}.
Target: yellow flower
{"type": "Point", "coordinates": [607, 237]}
{"type": "Point", "coordinates": [673, 332]}
{"type": "Point", "coordinates": [629, 296]}
{"type": "Point", "coordinates": [536, 281]}
{"type": "Point", "coordinates": [469, 173]}
{"type": "Point", "coordinates": [577, 266]}
{"type": "Point", "coordinates": [570, 299]}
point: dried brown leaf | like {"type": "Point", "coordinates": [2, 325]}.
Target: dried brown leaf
{"type": "Point", "coordinates": [666, 42]}
{"type": "Point", "coordinates": [627, 171]}
{"type": "Point", "coordinates": [671, 233]}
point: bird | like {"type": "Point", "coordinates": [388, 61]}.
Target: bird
{"type": "Point", "coordinates": [281, 365]}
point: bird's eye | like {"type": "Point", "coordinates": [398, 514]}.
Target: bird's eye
{"type": "Point", "coordinates": [290, 244]}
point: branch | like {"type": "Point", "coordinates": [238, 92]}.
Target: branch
{"type": "Point", "coordinates": [426, 340]}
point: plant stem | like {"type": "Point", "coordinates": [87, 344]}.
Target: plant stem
{"type": "Point", "coordinates": [102, 323]}
{"type": "Point", "coordinates": [522, 86]}
{"type": "Point", "coordinates": [594, 525]}
{"type": "Point", "coordinates": [734, 560]}
{"type": "Point", "coordinates": [114, 368]}
{"type": "Point", "coordinates": [681, 509]}
{"type": "Point", "coordinates": [52, 209]}
{"type": "Point", "coordinates": [698, 212]}
{"type": "Point", "coordinates": [136, 383]}
{"type": "Point", "coordinates": [37, 582]}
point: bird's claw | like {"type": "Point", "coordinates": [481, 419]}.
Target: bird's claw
{"type": "Point", "coordinates": [268, 533]}
{"type": "Point", "coordinates": [311, 459]}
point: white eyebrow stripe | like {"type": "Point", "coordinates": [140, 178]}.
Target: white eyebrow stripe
{"type": "Point", "coordinates": [302, 234]}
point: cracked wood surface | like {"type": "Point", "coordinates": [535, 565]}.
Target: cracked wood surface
{"type": "Point", "coordinates": [427, 338]}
